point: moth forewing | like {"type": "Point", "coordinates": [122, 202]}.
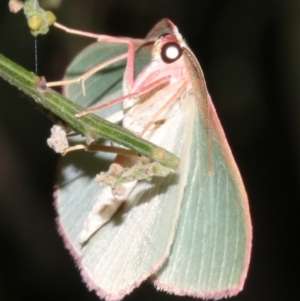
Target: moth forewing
{"type": "Point", "coordinates": [211, 250]}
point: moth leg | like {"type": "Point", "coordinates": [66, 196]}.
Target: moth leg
{"type": "Point", "coordinates": [132, 46]}
{"type": "Point", "coordinates": [81, 79]}
{"type": "Point", "coordinates": [143, 90]}
{"type": "Point", "coordinates": [172, 99]}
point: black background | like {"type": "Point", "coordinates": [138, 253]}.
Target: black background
{"type": "Point", "coordinates": [250, 55]}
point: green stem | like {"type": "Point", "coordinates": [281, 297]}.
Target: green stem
{"type": "Point", "coordinates": [89, 125]}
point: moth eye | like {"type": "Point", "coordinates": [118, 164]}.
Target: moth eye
{"type": "Point", "coordinates": [170, 52]}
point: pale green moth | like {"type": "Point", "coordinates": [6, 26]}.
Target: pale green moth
{"type": "Point", "coordinates": [189, 232]}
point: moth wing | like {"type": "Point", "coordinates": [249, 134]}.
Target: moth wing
{"type": "Point", "coordinates": [136, 242]}
{"type": "Point", "coordinates": [211, 251]}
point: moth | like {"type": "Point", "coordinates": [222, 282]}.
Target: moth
{"type": "Point", "coordinates": [188, 232]}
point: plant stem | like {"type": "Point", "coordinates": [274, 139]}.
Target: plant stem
{"type": "Point", "coordinates": [91, 125]}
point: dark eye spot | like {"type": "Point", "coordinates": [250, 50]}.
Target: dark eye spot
{"type": "Point", "coordinates": [171, 52]}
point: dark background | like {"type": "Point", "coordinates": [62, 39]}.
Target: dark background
{"type": "Point", "coordinates": [250, 54]}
